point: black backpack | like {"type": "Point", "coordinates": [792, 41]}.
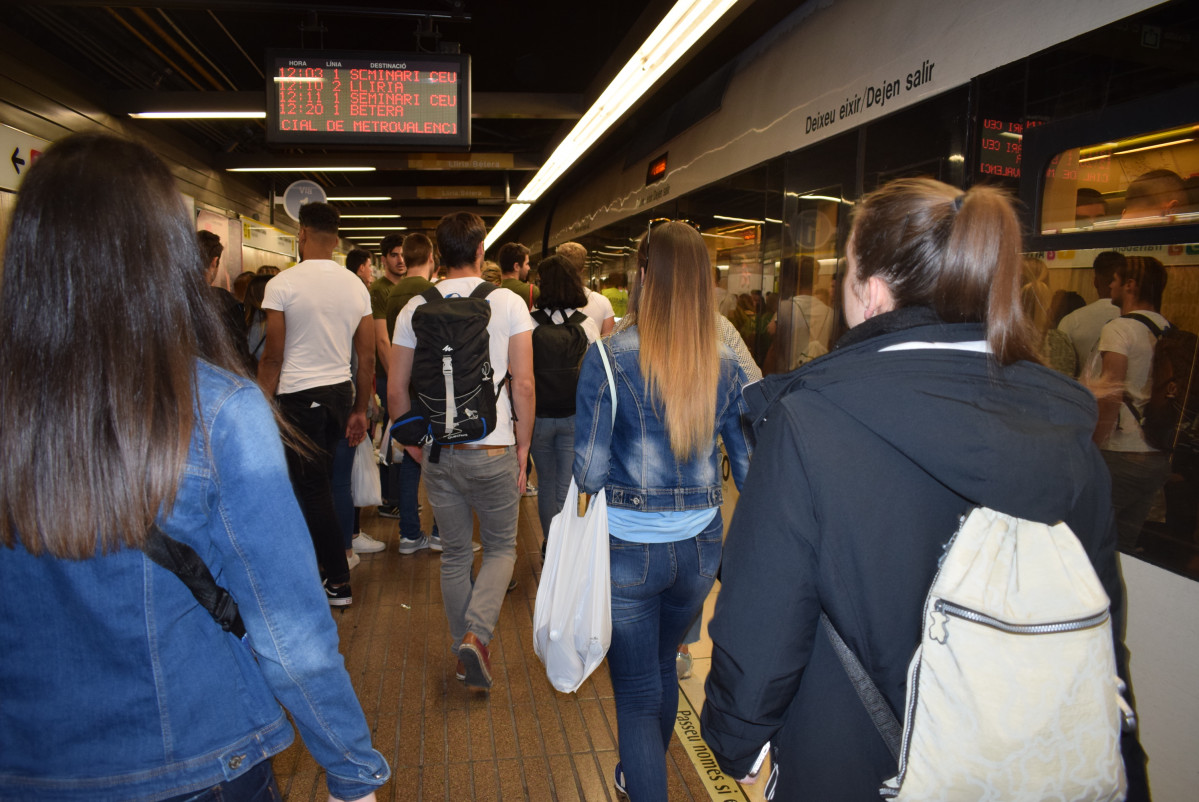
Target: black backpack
{"type": "Point", "coordinates": [453, 390]}
{"type": "Point", "coordinates": [558, 348]}
{"type": "Point", "coordinates": [1171, 414]}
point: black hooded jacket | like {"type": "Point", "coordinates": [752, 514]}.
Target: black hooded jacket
{"type": "Point", "coordinates": [865, 461]}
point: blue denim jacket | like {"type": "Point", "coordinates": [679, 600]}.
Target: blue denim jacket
{"type": "Point", "coordinates": [116, 684]}
{"type": "Point", "coordinates": [633, 460]}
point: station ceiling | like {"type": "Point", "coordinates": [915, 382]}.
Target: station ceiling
{"type": "Point", "coordinates": [536, 67]}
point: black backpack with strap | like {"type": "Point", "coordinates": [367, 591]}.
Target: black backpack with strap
{"type": "Point", "coordinates": [558, 348]}
{"type": "Point", "coordinates": [453, 389]}
{"type": "Point", "coordinates": [1172, 411]}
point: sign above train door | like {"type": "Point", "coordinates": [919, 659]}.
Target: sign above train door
{"type": "Point", "coordinates": [19, 150]}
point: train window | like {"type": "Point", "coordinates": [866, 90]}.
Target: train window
{"type": "Point", "coordinates": [1141, 181]}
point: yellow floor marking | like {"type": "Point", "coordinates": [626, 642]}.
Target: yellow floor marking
{"type": "Point", "coordinates": [686, 726]}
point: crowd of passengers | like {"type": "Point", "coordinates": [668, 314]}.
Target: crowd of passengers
{"type": "Point", "coordinates": [127, 419]}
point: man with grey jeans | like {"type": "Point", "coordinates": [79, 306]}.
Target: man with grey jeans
{"type": "Point", "coordinates": [485, 477]}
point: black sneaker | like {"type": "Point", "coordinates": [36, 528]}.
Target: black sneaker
{"type": "Point", "coordinates": [389, 511]}
{"type": "Point", "coordinates": [338, 596]}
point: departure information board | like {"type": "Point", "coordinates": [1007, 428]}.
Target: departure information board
{"type": "Point", "coordinates": [396, 99]}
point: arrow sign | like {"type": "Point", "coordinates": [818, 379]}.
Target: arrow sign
{"type": "Point", "coordinates": [24, 149]}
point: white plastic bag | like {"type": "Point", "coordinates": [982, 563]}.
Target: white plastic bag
{"type": "Point", "coordinates": [364, 477]}
{"type": "Point", "coordinates": [572, 618]}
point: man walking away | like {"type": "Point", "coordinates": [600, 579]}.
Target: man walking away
{"type": "Point", "coordinates": [315, 313]}
{"type": "Point", "coordinates": [485, 477]}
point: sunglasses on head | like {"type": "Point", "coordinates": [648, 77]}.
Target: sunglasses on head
{"type": "Point", "coordinates": [659, 220]}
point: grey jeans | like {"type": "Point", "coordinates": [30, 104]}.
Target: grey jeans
{"type": "Point", "coordinates": [462, 482]}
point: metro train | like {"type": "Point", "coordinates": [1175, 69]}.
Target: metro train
{"type": "Point", "coordinates": [1056, 98]}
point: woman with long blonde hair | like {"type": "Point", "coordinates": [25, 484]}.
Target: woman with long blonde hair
{"type": "Point", "coordinates": [677, 388]}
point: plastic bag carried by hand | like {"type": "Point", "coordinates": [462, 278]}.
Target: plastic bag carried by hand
{"type": "Point", "coordinates": [572, 618]}
{"type": "Point", "coordinates": [364, 478]}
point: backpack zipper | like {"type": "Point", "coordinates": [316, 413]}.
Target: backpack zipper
{"type": "Point", "coordinates": [958, 611]}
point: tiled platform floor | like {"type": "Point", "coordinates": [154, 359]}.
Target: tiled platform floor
{"type": "Point", "coordinates": [523, 741]}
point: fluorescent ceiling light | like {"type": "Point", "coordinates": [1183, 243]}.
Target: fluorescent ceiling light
{"type": "Point", "coordinates": [1152, 147]}
{"type": "Point", "coordinates": [372, 216]}
{"type": "Point", "coordinates": [504, 223]}
{"type": "Point", "coordinates": [681, 28]}
{"type": "Point", "coordinates": [374, 228]}
{"type": "Point", "coordinates": [197, 115]}
{"type": "Point", "coordinates": [331, 199]}
{"type": "Point", "coordinates": [739, 219]}
{"type": "Point", "coordinates": [300, 169]}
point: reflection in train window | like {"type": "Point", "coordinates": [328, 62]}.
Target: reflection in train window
{"type": "Point", "coordinates": [1140, 181]}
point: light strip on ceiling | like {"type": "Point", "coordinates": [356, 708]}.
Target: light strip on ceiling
{"type": "Point", "coordinates": [374, 228]}
{"type": "Point", "coordinates": [300, 169]}
{"type": "Point", "coordinates": [681, 28]}
{"type": "Point", "coordinates": [1152, 147]}
{"type": "Point", "coordinates": [197, 115]}
{"type": "Point", "coordinates": [371, 216]}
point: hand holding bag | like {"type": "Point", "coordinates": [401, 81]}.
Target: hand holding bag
{"type": "Point", "coordinates": [572, 617]}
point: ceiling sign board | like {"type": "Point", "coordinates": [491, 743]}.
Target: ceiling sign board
{"type": "Point", "coordinates": [357, 98]}
{"type": "Point", "coordinates": [19, 150]}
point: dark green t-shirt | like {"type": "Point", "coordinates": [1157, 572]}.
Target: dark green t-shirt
{"type": "Point", "coordinates": [522, 289]}
{"type": "Point", "coordinates": [408, 288]}
{"type": "Point", "coordinates": [380, 289]}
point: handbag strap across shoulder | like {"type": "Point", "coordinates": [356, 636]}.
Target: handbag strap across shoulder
{"type": "Point", "coordinates": [603, 352]}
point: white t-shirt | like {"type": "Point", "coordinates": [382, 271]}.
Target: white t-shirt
{"type": "Point", "coordinates": [509, 317]}
{"type": "Point", "coordinates": [589, 325]}
{"type": "Point", "coordinates": [322, 304]}
{"type": "Point", "coordinates": [1133, 339]}
{"type": "Point", "coordinates": [598, 308]}
{"type": "Point", "coordinates": [1082, 326]}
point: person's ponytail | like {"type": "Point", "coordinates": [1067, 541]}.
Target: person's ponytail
{"type": "Point", "coordinates": [981, 275]}
{"type": "Point", "coordinates": [958, 253]}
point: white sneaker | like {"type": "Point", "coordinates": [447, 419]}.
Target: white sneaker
{"type": "Point", "coordinates": [414, 545]}
{"type": "Point", "coordinates": [353, 559]}
{"type": "Point", "coordinates": [366, 544]}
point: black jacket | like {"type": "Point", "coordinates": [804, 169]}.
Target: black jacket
{"type": "Point", "coordinates": [865, 461]}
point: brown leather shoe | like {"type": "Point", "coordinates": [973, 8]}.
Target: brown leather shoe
{"type": "Point", "coordinates": [476, 662]}
{"type": "Point", "coordinates": [459, 671]}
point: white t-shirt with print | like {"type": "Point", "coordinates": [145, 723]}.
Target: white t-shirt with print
{"type": "Point", "coordinates": [322, 304]}
{"type": "Point", "coordinates": [509, 317]}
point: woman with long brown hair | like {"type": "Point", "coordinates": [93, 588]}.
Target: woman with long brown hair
{"type": "Point", "coordinates": [677, 388]}
{"type": "Point", "coordinates": [934, 402]}
{"type": "Point", "coordinates": [128, 416]}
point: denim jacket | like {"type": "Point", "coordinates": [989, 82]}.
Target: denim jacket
{"type": "Point", "coordinates": [116, 684]}
{"type": "Point", "coordinates": [633, 460]}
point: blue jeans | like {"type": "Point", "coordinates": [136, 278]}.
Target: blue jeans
{"type": "Point", "coordinates": [657, 589]}
{"type": "Point", "coordinates": [461, 485]}
{"type": "Point", "coordinates": [409, 492]}
{"type": "Point", "coordinates": [553, 450]}
{"type": "Point", "coordinates": [256, 785]}
{"type": "Point", "coordinates": [1136, 478]}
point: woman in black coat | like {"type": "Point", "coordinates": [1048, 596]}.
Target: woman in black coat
{"type": "Point", "coordinates": [867, 457]}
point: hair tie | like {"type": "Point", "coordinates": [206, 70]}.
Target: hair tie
{"type": "Point", "coordinates": [957, 202]}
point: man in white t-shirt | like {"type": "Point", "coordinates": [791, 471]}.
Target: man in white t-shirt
{"type": "Point", "coordinates": [1082, 326]}
{"type": "Point", "coordinates": [598, 308]}
{"type": "Point", "coordinates": [316, 312]}
{"type": "Point", "coordinates": [1126, 347]}
{"type": "Point", "coordinates": [485, 477]}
